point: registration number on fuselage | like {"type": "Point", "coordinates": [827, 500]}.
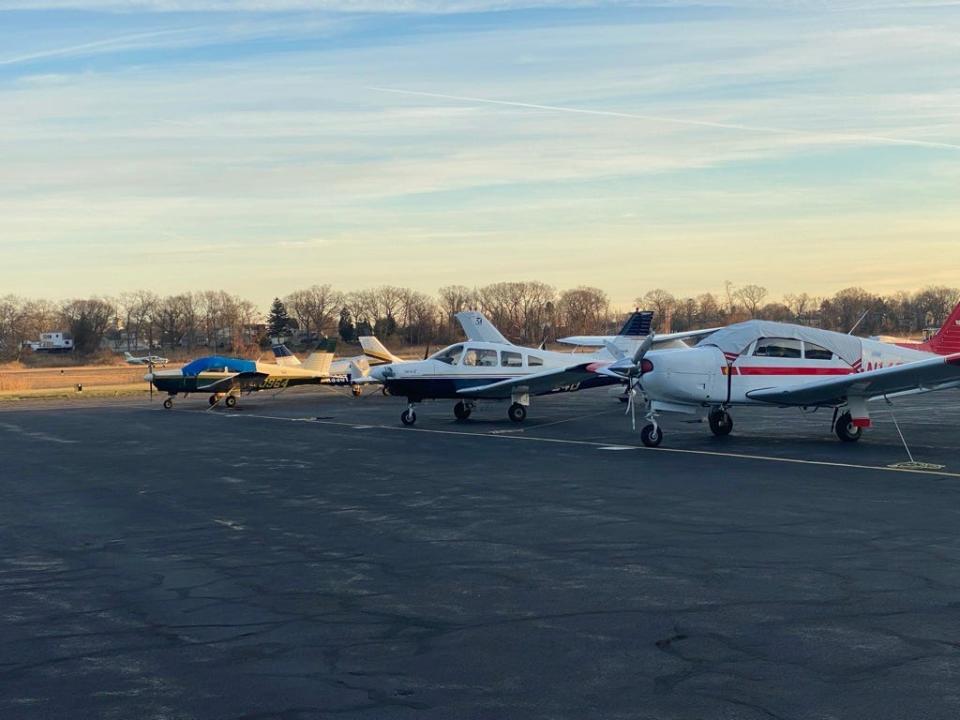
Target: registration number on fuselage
{"type": "Point", "coordinates": [274, 383]}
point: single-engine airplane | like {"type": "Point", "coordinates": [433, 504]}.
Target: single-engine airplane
{"type": "Point", "coordinates": [225, 378]}
{"type": "Point", "coordinates": [145, 360]}
{"type": "Point", "coordinates": [491, 370]}
{"type": "Point", "coordinates": [782, 365]}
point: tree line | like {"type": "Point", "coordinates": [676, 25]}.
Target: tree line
{"type": "Point", "coordinates": [525, 311]}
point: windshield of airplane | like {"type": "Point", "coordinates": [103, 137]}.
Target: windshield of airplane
{"type": "Point", "coordinates": [449, 355]}
{"type": "Point", "coordinates": [218, 363]}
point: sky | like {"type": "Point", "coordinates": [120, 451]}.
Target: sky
{"type": "Point", "coordinates": [261, 147]}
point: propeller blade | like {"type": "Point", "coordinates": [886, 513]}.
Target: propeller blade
{"type": "Point", "coordinates": [426, 353]}
{"type": "Point", "coordinates": [150, 370]}
{"type": "Point", "coordinates": [643, 349]}
{"type": "Point", "coordinates": [614, 350]}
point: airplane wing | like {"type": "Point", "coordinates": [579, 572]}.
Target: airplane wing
{"type": "Point", "coordinates": [230, 381]}
{"type": "Point", "coordinates": [935, 373]}
{"type": "Point", "coordinates": [602, 340]}
{"type": "Point", "coordinates": [535, 383]}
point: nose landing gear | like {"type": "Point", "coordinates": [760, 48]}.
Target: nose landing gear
{"type": "Point", "coordinates": [651, 435]}
{"type": "Point", "coordinates": [408, 417]}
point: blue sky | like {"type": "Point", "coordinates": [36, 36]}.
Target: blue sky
{"type": "Point", "coordinates": [264, 146]}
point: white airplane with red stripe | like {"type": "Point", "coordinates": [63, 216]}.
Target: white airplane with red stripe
{"type": "Point", "coordinates": [778, 364]}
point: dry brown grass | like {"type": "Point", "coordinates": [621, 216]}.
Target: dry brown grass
{"type": "Point", "coordinates": [28, 379]}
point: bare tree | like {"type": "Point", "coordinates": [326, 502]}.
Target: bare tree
{"type": "Point", "coordinates": [454, 299]}
{"type": "Point", "coordinates": [316, 308]}
{"type": "Point", "coordinates": [752, 297]}
{"type": "Point", "coordinates": [88, 321]}
{"type": "Point", "coordinates": [583, 310]}
{"type": "Point", "coordinates": [662, 303]}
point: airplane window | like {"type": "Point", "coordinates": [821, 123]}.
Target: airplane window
{"type": "Point", "coordinates": [778, 348]}
{"type": "Point", "coordinates": [511, 359]}
{"type": "Point", "coordinates": [815, 352]}
{"type": "Point", "coordinates": [480, 358]}
{"type": "Point", "coordinates": [534, 361]}
{"type": "Point", "coordinates": [450, 355]}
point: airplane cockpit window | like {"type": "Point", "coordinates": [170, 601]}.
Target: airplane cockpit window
{"type": "Point", "coordinates": [534, 361]}
{"type": "Point", "coordinates": [511, 359]}
{"type": "Point", "coordinates": [476, 357]}
{"type": "Point", "coordinates": [815, 352]}
{"type": "Point", "coordinates": [778, 348]}
{"type": "Point", "coordinates": [450, 355]}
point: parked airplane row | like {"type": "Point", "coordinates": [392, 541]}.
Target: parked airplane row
{"type": "Point", "coordinates": [753, 363]}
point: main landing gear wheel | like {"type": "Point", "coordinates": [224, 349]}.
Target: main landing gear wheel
{"type": "Point", "coordinates": [720, 422]}
{"type": "Point", "coordinates": [212, 400]}
{"type": "Point", "coordinates": [461, 410]}
{"type": "Point", "coordinates": [168, 403]}
{"type": "Point", "coordinates": [651, 435]}
{"type": "Point", "coordinates": [356, 390]}
{"type": "Point", "coordinates": [408, 417]}
{"type": "Point", "coordinates": [517, 412]}
{"type": "Point", "coordinates": [846, 430]}
{"type": "Point", "coordinates": [230, 401]}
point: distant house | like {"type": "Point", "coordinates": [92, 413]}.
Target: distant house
{"type": "Point", "coordinates": [51, 342]}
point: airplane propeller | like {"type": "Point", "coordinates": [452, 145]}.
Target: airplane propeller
{"type": "Point", "coordinates": [426, 353]}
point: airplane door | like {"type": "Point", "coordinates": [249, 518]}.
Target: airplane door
{"type": "Point", "coordinates": [768, 362]}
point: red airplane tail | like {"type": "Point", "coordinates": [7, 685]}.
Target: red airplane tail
{"type": "Point", "coordinates": [947, 339]}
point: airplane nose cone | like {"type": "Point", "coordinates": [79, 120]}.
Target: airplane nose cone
{"type": "Point", "coordinates": [148, 377]}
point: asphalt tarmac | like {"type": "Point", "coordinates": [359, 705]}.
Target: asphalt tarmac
{"type": "Point", "coordinates": [306, 556]}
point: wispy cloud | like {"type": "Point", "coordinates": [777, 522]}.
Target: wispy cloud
{"type": "Point", "coordinates": [112, 44]}
{"type": "Point", "coordinates": [818, 136]}
{"type": "Point", "coordinates": [663, 136]}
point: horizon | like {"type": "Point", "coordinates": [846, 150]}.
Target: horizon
{"type": "Point", "coordinates": [625, 146]}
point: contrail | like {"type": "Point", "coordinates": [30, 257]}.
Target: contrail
{"type": "Point", "coordinates": [89, 46]}
{"type": "Point", "coordinates": [679, 121]}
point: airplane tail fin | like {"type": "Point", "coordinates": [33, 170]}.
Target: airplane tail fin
{"type": "Point", "coordinates": [477, 327]}
{"type": "Point", "coordinates": [375, 350]}
{"type": "Point", "coordinates": [284, 356]}
{"type": "Point", "coordinates": [947, 339]}
{"type": "Point", "coordinates": [637, 325]}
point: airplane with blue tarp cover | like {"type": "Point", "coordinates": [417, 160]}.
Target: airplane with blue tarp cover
{"type": "Point", "coordinates": [225, 378]}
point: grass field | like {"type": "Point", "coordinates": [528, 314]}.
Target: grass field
{"type": "Point", "coordinates": [16, 382]}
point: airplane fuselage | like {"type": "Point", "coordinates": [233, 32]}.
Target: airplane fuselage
{"type": "Point", "coordinates": [475, 364]}
{"type": "Point", "coordinates": [704, 376]}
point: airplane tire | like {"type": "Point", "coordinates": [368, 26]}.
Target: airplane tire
{"type": "Point", "coordinates": [230, 401]}
{"type": "Point", "coordinates": [845, 429]}
{"type": "Point", "coordinates": [517, 413]}
{"type": "Point", "coordinates": [408, 417]}
{"type": "Point", "coordinates": [168, 403]}
{"type": "Point", "coordinates": [356, 390]}
{"type": "Point", "coordinates": [651, 435]}
{"type": "Point", "coordinates": [461, 411]}
{"type": "Point", "coordinates": [213, 400]}
{"type": "Point", "coordinates": [720, 423]}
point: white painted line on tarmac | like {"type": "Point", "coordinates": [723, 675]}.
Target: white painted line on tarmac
{"type": "Point", "coordinates": [599, 445]}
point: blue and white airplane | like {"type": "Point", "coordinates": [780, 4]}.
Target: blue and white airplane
{"type": "Point", "coordinates": [495, 369]}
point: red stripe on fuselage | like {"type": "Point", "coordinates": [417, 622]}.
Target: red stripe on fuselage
{"type": "Point", "coordinates": [763, 370]}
